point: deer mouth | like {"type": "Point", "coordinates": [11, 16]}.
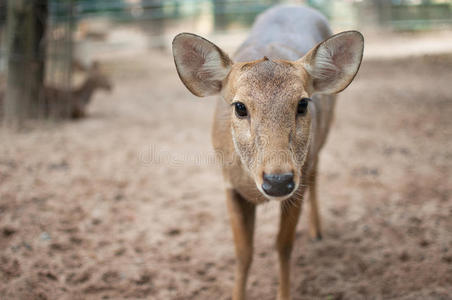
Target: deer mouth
{"type": "Point", "coordinates": [277, 198]}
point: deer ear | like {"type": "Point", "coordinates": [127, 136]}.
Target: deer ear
{"type": "Point", "coordinates": [333, 63]}
{"type": "Point", "coordinates": [201, 65]}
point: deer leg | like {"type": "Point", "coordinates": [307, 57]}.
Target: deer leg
{"type": "Point", "coordinates": [286, 236]}
{"type": "Point", "coordinates": [242, 215]}
{"type": "Point", "coordinates": [315, 229]}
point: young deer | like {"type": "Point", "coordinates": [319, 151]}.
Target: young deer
{"type": "Point", "coordinates": [71, 103]}
{"type": "Point", "coordinates": [273, 114]}
{"type": "Point", "coordinates": [75, 102]}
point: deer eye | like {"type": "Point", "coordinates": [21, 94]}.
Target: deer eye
{"type": "Point", "coordinates": [303, 106]}
{"type": "Point", "coordinates": [240, 109]}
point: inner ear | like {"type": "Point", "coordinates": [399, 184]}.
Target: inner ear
{"type": "Point", "coordinates": [201, 65]}
{"type": "Point", "coordinates": [334, 63]}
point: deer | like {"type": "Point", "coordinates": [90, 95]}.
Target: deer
{"type": "Point", "coordinates": [63, 103]}
{"type": "Point", "coordinates": [274, 109]}
{"type": "Point", "coordinates": [60, 102]}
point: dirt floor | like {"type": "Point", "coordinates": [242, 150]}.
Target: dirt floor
{"type": "Point", "coordinates": [128, 203]}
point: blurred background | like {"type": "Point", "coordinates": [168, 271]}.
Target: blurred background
{"type": "Point", "coordinates": [48, 41]}
{"type": "Point", "coordinates": [102, 152]}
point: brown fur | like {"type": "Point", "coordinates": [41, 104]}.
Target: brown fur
{"type": "Point", "coordinates": [270, 78]}
{"type": "Point", "coordinates": [271, 91]}
{"type": "Point", "coordinates": [73, 103]}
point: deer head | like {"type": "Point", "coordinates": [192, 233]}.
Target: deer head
{"type": "Point", "coordinates": [270, 100]}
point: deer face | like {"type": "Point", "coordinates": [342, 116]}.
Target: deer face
{"type": "Point", "coordinates": [270, 122]}
{"type": "Point", "coordinates": [270, 101]}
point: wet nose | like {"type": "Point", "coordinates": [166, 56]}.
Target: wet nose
{"type": "Point", "coordinates": [278, 185]}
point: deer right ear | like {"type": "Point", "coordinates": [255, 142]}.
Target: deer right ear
{"type": "Point", "coordinates": [333, 64]}
{"type": "Point", "coordinates": [201, 65]}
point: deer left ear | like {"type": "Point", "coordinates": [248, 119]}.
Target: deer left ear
{"type": "Point", "coordinates": [333, 63]}
{"type": "Point", "coordinates": [202, 66]}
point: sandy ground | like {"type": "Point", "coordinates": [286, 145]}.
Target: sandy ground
{"type": "Point", "coordinates": [128, 204]}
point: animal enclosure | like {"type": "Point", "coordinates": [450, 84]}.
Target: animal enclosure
{"type": "Point", "coordinates": [128, 203]}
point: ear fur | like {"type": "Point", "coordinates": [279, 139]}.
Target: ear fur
{"type": "Point", "coordinates": [333, 63]}
{"type": "Point", "coordinates": [201, 65]}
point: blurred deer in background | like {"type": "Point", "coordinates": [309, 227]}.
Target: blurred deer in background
{"type": "Point", "coordinates": [272, 118]}
{"type": "Point", "coordinates": [76, 101]}
{"type": "Point", "coordinates": [61, 103]}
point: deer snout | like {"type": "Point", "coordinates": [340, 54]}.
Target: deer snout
{"type": "Point", "coordinates": [278, 185]}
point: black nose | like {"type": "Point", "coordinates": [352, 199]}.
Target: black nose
{"type": "Point", "coordinates": [278, 185]}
